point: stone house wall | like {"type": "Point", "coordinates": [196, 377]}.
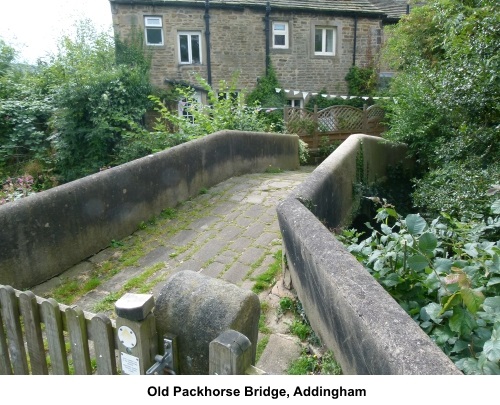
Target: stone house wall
{"type": "Point", "coordinates": [238, 45]}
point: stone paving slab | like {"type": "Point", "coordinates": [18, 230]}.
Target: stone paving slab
{"type": "Point", "coordinates": [230, 232]}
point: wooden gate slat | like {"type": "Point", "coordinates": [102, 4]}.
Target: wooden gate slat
{"type": "Point", "coordinates": [55, 337]}
{"type": "Point", "coordinates": [10, 314]}
{"type": "Point", "coordinates": [33, 332]}
{"type": "Point", "coordinates": [77, 328]}
{"type": "Point", "coordinates": [4, 351]}
{"type": "Point", "coordinates": [104, 342]}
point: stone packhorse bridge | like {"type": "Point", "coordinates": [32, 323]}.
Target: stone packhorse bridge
{"type": "Point", "coordinates": [228, 231]}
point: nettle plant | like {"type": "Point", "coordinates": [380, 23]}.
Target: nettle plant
{"type": "Point", "coordinates": [445, 274]}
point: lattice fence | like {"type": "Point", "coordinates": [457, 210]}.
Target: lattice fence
{"type": "Point", "coordinates": [335, 123]}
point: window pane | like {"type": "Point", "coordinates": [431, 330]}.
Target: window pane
{"type": "Point", "coordinates": [279, 40]}
{"type": "Point", "coordinates": [153, 21]}
{"type": "Point", "coordinates": [329, 41]}
{"type": "Point", "coordinates": [154, 36]}
{"type": "Point", "coordinates": [279, 27]}
{"type": "Point", "coordinates": [318, 40]}
{"type": "Point", "coordinates": [195, 48]}
{"type": "Point", "coordinates": [184, 48]}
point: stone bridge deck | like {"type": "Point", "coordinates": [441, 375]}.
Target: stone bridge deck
{"type": "Point", "coordinates": [229, 231]}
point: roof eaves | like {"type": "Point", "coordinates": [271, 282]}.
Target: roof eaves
{"type": "Point", "coordinates": [324, 7]}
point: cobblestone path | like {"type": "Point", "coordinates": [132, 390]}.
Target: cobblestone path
{"type": "Point", "coordinates": [229, 231]}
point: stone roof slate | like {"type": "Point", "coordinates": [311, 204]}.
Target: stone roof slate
{"type": "Point", "coordinates": [393, 8]}
{"type": "Point", "coordinates": [340, 6]}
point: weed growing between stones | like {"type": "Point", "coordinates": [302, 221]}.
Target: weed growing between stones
{"type": "Point", "coordinates": [268, 278]}
{"type": "Point", "coordinates": [314, 364]}
{"type": "Point", "coordinates": [312, 359]}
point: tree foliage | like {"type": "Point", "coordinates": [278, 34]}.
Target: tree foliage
{"type": "Point", "coordinates": [226, 110]}
{"type": "Point", "coordinates": [265, 96]}
{"type": "Point", "coordinates": [74, 113]}
{"type": "Point", "coordinates": [95, 107]}
{"type": "Point", "coordinates": [448, 92]}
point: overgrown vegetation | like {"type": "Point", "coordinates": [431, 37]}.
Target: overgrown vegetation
{"type": "Point", "coordinates": [312, 364]}
{"type": "Point", "coordinates": [268, 278]}
{"type": "Point", "coordinates": [310, 361]}
{"type": "Point", "coordinates": [445, 274]}
{"type": "Point", "coordinates": [447, 111]}
{"type": "Point", "coordinates": [443, 265]}
{"type": "Point", "coordinates": [84, 110]}
{"type": "Point", "coordinates": [221, 112]}
{"type": "Point", "coordinates": [71, 116]}
{"type": "Point", "coordinates": [264, 95]}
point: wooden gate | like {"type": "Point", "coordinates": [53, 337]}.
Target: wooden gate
{"type": "Point", "coordinates": [41, 336]}
{"type": "Point", "coordinates": [334, 123]}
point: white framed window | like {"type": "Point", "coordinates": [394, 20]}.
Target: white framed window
{"type": "Point", "coordinates": [325, 39]}
{"type": "Point", "coordinates": [184, 106]}
{"type": "Point", "coordinates": [189, 47]}
{"type": "Point", "coordinates": [280, 35]}
{"type": "Point", "coordinates": [295, 102]}
{"type": "Point", "coordinates": [153, 27]}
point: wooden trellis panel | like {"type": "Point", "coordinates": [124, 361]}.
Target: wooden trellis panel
{"type": "Point", "coordinates": [336, 123]}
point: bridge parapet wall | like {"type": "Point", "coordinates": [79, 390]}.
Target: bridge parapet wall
{"type": "Point", "coordinates": [348, 309]}
{"type": "Point", "coordinates": [44, 234]}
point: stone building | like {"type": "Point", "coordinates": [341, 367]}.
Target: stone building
{"type": "Point", "coordinates": [310, 44]}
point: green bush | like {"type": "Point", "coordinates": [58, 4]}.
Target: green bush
{"type": "Point", "coordinates": [221, 114]}
{"type": "Point", "coordinates": [445, 274]}
{"type": "Point", "coordinates": [96, 109]}
{"type": "Point", "coordinates": [361, 81]}
{"type": "Point", "coordinates": [78, 112]}
{"type": "Point", "coordinates": [447, 91]}
{"type": "Point", "coordinates": [264, 95]}
{"type": "Point", "coordinates": [457, 189]}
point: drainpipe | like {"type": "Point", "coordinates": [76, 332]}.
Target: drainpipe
{"type": "Point", "coordinates": [267, 30]}
{"type": "Point", "coordinates": [355, 40]}
{"type": "Point", "coordinates": [207, 40]}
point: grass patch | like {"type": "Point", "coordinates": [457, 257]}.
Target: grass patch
{"type": "Point", "coordinates": [107, 304]}
{"type": "Point", "coordinates": [274, 170]}
{"type": "Point", "coordinates": [168, 213]}
{"type": "Point", "coordinates": [261, 345]}
{"type": "Point", "coordinates": [94, 282]}
{"type": "Point", "coordinates": [301, 329]}
{"type": "Point", "coordinates": [268, 278]}
{"type": "Point", "coordinates": [264, 308]}
{"type": "Point", "coordinates": [67, 292]}
{"type": "Point", "coordinates": [263, 329]}
{"type": "Point", "coordinates": [300, 326]}
{"type": "Point", "coordinates": [141, 279]}
{"type": "Point", "coordinates": [311, 364]}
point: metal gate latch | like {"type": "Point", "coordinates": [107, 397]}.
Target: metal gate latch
{"type": "Point", "coordinates": [164, 364]}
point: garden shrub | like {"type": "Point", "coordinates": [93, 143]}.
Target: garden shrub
{"type": "Point", "coordinates": [447, 90]}
{"type": "Point", "coordinates": [445, 274]}
{"type": "Point", "coordinates": [220, 114]}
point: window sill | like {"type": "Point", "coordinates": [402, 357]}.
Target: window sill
{"type": "Point", "coordinates": [334, 57]}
